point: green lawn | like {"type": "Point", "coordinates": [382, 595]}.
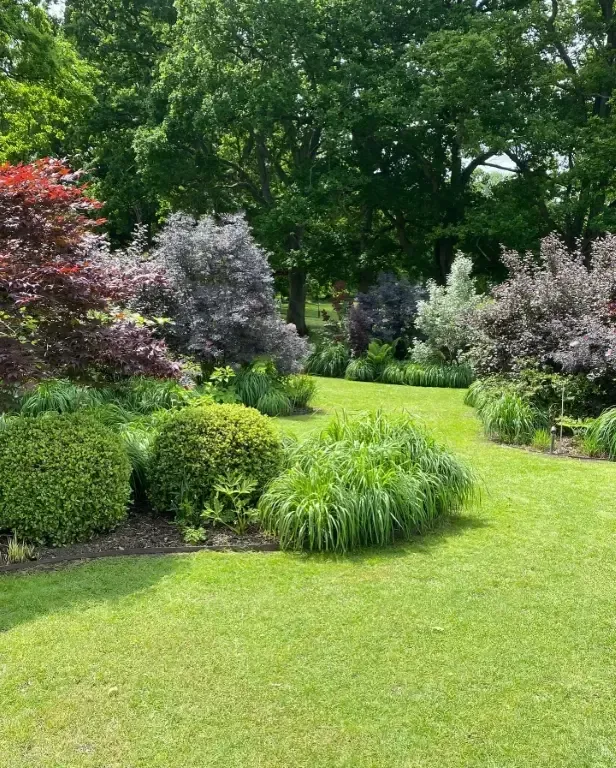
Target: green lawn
{"type": "Point", "coordinates": [490, 644]}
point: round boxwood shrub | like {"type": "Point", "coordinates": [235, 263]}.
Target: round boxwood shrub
{"type": "Point", "coordinates": [62, 478]}
{"type": "Point", "coordinates": [197, 445]}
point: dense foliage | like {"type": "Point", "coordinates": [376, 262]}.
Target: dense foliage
{"type": "Point", "coordinates": [221, 294]}
{"type": "Point", "coordinates": [195, 446]}
{"type": "Point", "coordinates": [62, 478]}
{"type": "Point", "coordinates": [443, 319]}
{"type": "Point", "coordinates": [385, 313]}
{"type": "Point", "coordinates": [363, 481]}
{"type": "Point", "coordinates": [555, 311]}
{"type": "Point", "coordinates": [45, 89]}
{"type": "Point", "coordinates": [61, 292]}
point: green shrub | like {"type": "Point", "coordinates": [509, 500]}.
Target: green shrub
{"type": "Point", "coordinates": [62, 478]}
{"type": "Point", "coordinates": [360, 369]}
{"type": "Point", "coordinates": [275, 403]}
{"type": "Point", "coordinates": [300, 389]}
{"type": "Point", "coordinates": [602, 433]}
{"type": "Point", "coordinates": [363, 481]}
{"type": "Point", "coordinates": [329, 359]}
{"type": "Point", "coordinates": [544, 391]}
{"type": "Point", "coordinates": [196, 445]}
{"type": "Point", "coordinates": [509, 418]}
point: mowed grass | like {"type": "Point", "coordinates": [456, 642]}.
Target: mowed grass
{"type": "Point", "coordinates": [490, 643]}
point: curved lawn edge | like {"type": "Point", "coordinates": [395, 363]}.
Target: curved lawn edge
{"type": "Point", "coordinates": [137, 552]}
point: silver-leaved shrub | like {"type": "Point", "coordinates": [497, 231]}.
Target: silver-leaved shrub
{"type": "Point", "coordinates": [555, 310]}
{"type": "Point", "coordinates": [443, 318]}
{"type": "Point", "coordinates": [222, 294]}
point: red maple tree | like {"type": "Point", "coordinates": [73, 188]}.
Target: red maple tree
{"type": "Point", "coordinates": [61, 292]}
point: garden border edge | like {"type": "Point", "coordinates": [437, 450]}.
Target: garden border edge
{"type": "Point", "coordinates": [137, 552]}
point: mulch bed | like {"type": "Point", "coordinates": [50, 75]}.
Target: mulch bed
{"type": "Point", "coordinates": [567, 448]}
{"type": "Point", "coordinates": [143, 532]}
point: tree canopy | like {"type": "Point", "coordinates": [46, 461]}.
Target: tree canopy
{"type": "Point", "coordinates": [358, 137]}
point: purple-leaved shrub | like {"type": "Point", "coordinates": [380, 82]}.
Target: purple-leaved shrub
{"type": "Point", "coordinates": [222, 294]}
{"type": "Point", "coordinates": [554, 310]}
{"type": "Point", "coordinates": [386, 312]}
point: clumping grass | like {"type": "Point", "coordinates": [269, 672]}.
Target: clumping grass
{"type": "Point", "coordinates": [509, 418]}
{"type": "Point", "coordinates": [542, 440]}
{"type": "Point", "coordinates": [138, 444]}
{"type": "Point", "coordinates": [360, 369]}
{"type": "Point", "coordinates": [590, 445]}
{"type": "Point", "coordinates": [19, 551]}
{"type": "Point", "coordinates": [275, 403]}
{"type": "Point", "coordinates": [300, 390]}
{"type": "Point", "coordinates": [59, 396]}
{"type": "Point", "coordinates": [252, 384]}
{"type": "Point", "coordinates": [451, 376]}
{"type": "Point", "coordinates": [601, 435]}
{"type": "Point", "coordinates": [488, 643]}
{"type": "Point", "coordinates": [328, 360]}
{"type": "Point", "coordinates": [363, 481]}
{"type": "Point", "coordinates": [393, 373]}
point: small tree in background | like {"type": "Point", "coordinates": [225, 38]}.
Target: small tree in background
{"type": "Point", "coordinates": [443, 319]}
{"type": "Point", "coordinates": [555, 311]}
{"type": "Point", "coordinates": [386, 312]}
{"type": "Point", "coordinates": [222, 294]}
{"type": "Point", "coordinates": [63, 297]}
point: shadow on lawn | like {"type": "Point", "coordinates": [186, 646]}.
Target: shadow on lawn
{"type": "Point", "coordinates": [423, 544]}
{"type": "Point", "coordinates": [27, 596]}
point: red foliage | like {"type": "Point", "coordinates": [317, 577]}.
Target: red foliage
{"type": "Point", "coordinates": [60, 289]}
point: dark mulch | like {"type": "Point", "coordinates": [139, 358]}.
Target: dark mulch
{"type": "Point", "coordinates": [144, 529]}
{"type": "Point", "coordinates": [566, 447]}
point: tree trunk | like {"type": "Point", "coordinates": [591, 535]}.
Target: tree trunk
{"type": "Point", "coordinates": [443, 256]}
{"type": "Point", "coordinates": [296, 312]}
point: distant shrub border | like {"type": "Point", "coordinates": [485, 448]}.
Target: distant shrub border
{"type": "Point", "coordinates": [331, 361]}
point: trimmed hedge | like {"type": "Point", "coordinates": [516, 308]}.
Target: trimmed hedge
{"type": "Point", "coordinates": [62, 478]}
{"type": "Point", "coordinates": [197, 445]}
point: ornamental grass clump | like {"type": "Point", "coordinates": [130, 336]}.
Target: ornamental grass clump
{"type": "Point", "coordinates": [364, 481]}
{"type": "Point", "coordinates": [329, 359]}
{"type": "Point", "coordinates": [601, 435]}
{"type": "Point", "coordinates": [450, 376]}
{"type": "Point", "coordinates": [509, 418]}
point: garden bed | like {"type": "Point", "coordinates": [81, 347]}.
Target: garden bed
{"type": "Point", "coordinates": [144, 532]}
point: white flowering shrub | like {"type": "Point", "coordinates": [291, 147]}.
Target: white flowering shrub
{"type": "Point", "coordinates": [442, 318]}
{"type": "Point", "coordinates": [222, 294]}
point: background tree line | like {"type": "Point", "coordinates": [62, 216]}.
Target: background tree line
{"type": "Point", "coordinates": [357, 136]}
